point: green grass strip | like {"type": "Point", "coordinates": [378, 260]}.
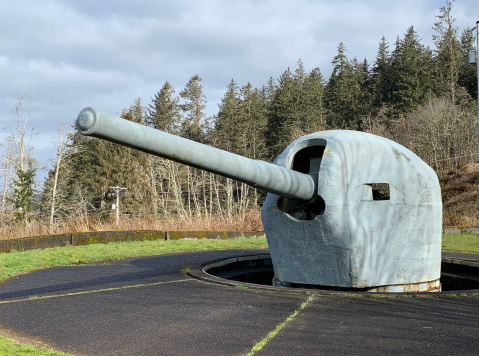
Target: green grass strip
{"type": "Point", "coordinates": [466, 243]}
{"type": "Point", "coordinates": [15, 263]}
{"type": "Point", "coordinates": [92, 291]}
{"type": "Point", "coordinates": [12, 347]}
{"type": "Point", "coordinates": [278, 328]}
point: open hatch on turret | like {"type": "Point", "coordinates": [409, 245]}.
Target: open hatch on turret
{"type": "Point", "coordinates": [308, 161]}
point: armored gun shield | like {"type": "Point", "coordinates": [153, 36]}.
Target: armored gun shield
{"type": "Point", "coordinates": [380, 225]}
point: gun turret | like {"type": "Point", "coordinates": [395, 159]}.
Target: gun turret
{"type": "Point", "coordinates": [373, 222]}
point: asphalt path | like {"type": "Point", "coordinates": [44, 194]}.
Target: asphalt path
{"type": "Point", "coordinates": [147, 306]}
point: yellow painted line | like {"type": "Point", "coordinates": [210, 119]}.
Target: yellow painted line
{"type": "Point", "coordinates": [279, 327]}
{"type": "Point", "coordinates": [92, 291]}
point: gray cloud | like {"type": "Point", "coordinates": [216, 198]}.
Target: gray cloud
{"type": "Point", "coordinates": [65, 55]}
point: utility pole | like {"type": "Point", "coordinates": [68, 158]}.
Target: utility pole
{"type": "Point", "coordinates": [477, 66]}
{"type": "Point", "coordinates": [473, 58]}
{"type": "Point", "coordinates": [116, 206]}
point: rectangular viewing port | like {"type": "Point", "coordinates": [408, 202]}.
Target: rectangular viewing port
{"type": "Point", "coordinates": [380, 191]}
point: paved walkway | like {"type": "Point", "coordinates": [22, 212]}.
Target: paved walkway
{"type": "Point", "coordinates": [146, 306]}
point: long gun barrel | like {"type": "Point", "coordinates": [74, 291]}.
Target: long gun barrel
{"type": "Point", "coordinates": [259, 174]}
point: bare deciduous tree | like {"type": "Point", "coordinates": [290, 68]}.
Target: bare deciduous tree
{"type": "Point", "coordinates": [61, 147]}
{"type": "Point", "coordinates": [18, 153]}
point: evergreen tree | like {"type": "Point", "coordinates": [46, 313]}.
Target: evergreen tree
{"type": "Point", "coordinates": [253, 108]}
{"type": "Point", "coordinates": [344, 92]}
{"type": "Point", "coordinates": [230, 123]}
{"type": "Point", "coordinates": [381, 85]}
{"type": "Point", "coordinates": [448, 52]}
{"type": "Point", "coordinates": [135, 112]}
{"type": "Point", "coordinates": [467, 76]}
{"type": "Point", "coordinates": [296, 107]}
{"type": "Point", "coordinates": [299, 76]}
{"type": "Point", "coordinates": [282, 114]}
{"type": "Point", "coordinates": [310, 103]}
{"type": "Point", "coordinates": [411, 73]}
{"type": "Point", "coordinates": [241, 121]}
{"type": "Point", "coordinates": [336, 99]}
{"type": "Point", "coordinates": [193, 109]}
{"type": "Point", "coordinates": [23, 192]}
{"type": "Point", "coordinates": [268, 90]}
{"type": "Point", "coordinates": [86, 186]}
{"type": "Point", "coordinates": [164, 113]}
{"type": "Point", "coordinates": [298, 101]}
{"type": "Point", "coordinates": [363, 80]}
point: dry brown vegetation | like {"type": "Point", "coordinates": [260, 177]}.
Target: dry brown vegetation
{"type": "Point", "coordinates": [442, 133]}
{"type": "Point", "coordinates": [460, 193]}
{"type": "Point", "coordinates": [249, 221]}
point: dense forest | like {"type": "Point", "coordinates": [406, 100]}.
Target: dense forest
{"type": "Point", "coordinates": [423, 98]}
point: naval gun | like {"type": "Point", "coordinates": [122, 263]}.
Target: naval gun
{"type": "Point", "coordinates": [344, 209]}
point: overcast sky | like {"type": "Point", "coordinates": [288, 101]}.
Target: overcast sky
{"type": "Point", "coordinates": [65, 55]}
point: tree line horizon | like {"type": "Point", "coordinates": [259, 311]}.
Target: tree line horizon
{"type": "Point", "coordinates": [422, 98]}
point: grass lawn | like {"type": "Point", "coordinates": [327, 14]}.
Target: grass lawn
{"type": "Point", "coordinates": [15, 263]}
{"type": "Point", "coordinates": [13, 348]}
{"type": "Point", "coordinates": [467, 243]}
